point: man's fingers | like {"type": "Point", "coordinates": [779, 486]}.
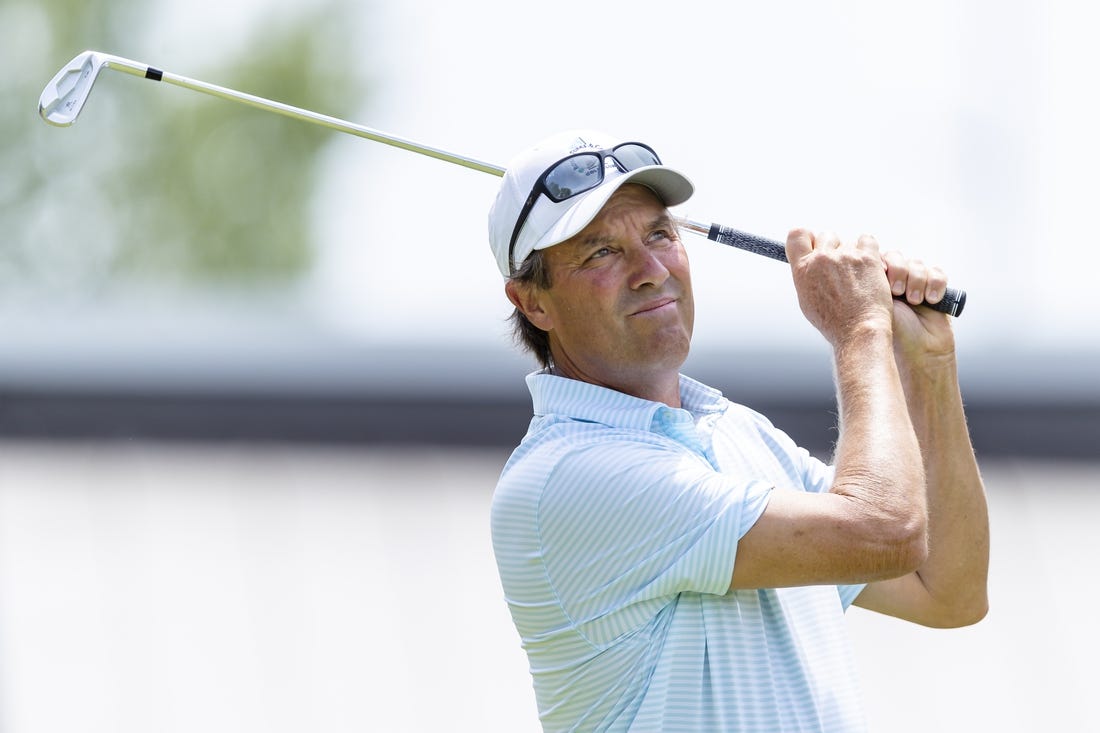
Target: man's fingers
{"type": "Point", "coordinates": [912, 279]}
{"type": "Point", "coordinates": [826, 240]}
{"type": "Point", "coordinates": [896, 272]}
{"type": "Point", "coordinates": [800, 242]}
{"type": "Point", "coordinates": [866, 241]}
{"type": "Point", "coordinates": [937, 285]}
{"type": "Point", "coordinates": [918, 281]}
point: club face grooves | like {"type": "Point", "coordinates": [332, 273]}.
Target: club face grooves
{"type": "Point", "coordinates": [65, 95]}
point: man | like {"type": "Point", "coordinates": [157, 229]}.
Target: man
{"type": "Point", "coordinates": [670, 559]}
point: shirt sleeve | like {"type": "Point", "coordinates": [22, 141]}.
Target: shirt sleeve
{"type": "Point", "coordinates": [849, 593]}
{"type": "Point", "coordinates": [625, 526]}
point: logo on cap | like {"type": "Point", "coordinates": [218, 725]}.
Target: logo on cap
{"type": "Point", "coordinates": [582, 144]}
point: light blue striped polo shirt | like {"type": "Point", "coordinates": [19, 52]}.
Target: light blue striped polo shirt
{"type": "Point", "coordinates": [615, 525]}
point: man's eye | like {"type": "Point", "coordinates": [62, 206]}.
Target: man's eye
{"type": "Point", "coordinates": [660, 234]}
{"type": "Point", "coordinates": [601, 252]}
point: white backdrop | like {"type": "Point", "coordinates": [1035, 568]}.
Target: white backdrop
{"type": "Point", "coordinates": [184, 588]}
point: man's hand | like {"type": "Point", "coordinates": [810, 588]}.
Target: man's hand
{"type": "Point", "coordinates": [840, 286]}
{"type": "Point", "coordinates": [920, 334]}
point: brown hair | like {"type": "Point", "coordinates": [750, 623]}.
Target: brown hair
{"type": "Point", "coordinates": [532, 273]}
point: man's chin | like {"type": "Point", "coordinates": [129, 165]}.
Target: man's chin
{"type": "Point", "coordinates": [670, 350]}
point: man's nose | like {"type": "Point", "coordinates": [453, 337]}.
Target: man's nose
{"type": "Point", "coordinates": [646, 267]}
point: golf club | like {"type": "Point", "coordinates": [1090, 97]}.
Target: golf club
{"type": "Point", "coordinates": [67, 93]}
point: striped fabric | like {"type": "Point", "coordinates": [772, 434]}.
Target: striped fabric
{"type": "Point", "coordinates": [615, 525]}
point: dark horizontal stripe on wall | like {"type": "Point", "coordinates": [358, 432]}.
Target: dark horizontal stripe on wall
{"type": "Point", "coordinates": [1069, 430]}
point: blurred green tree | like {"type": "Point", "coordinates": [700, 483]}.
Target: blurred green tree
{"type": "Point", "coordinates": [157, 185]}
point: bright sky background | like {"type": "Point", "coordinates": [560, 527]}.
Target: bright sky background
{"type": "Point", "coordinates": [962, 133]}
{"type": "Point", "coordinates": [959, 132]}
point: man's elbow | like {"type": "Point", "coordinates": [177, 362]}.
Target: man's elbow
{"type": "Point", "coordinates": [961, 614]}
{"type": "Point", "coordinates": [891, 537]}
{"type": "Point", "coordinates": [905, 546]}
{"type": "Point", "coordinates": [971, 616]}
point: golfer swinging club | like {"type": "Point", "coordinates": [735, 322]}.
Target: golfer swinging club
{"type": "Point", "coordinates": [671, 560]}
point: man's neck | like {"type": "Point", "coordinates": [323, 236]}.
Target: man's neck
{"type": "Point", "coordinates": [665, 389]}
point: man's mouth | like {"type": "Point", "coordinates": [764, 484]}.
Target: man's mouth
{"type": "Point", "coordinates": [654, 306]}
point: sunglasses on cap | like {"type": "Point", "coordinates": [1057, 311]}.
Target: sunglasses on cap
{"type": "Point", "coordinates": [577, 173]}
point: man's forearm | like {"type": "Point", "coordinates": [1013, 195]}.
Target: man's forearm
{"type": "Point", "coordinates": [956, 570]}
{"type": "Point", "coordinates": [878, 458]}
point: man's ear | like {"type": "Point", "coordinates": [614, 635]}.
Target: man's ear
{"type": "Point", "coordinates": [528, 300]}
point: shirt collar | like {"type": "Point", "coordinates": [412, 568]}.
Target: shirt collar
{"type": "Point", "coordinates": [553, 395]}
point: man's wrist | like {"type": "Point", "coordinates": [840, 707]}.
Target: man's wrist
{"type": "Point", "coordinates": [866, 334]}
{"type": "Point", "coordinates": [927, 366]}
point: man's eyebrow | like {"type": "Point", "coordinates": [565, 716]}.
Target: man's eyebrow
{"type": "Point", "coordinates": [664, 221]}
{"type": "Point", "coordinates": [595, 238]}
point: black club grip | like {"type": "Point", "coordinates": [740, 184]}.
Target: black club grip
{"type": "Point", "coordinates": [952, 302]}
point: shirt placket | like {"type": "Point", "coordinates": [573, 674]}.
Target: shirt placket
{"type": "Point", "coordinates": [680, 426]}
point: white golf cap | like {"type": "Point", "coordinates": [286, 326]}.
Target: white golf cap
{"type": "Point", "coordinates": [550, 222]}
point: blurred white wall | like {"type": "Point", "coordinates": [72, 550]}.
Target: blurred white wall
{"type": "Point", "coordinates": [192, 588]}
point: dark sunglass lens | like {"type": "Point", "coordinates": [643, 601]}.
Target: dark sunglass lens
{"type": "Point", "coordinates": [631, 156]}
{"type": "Point", "coordinates": [574, 175]}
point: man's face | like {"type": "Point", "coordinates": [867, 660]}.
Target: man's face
{"type": "Point", "coordinates": [619, 310]}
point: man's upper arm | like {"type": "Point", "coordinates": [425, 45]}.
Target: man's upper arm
{"type": "Point", "coordinates": [822, 539]}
